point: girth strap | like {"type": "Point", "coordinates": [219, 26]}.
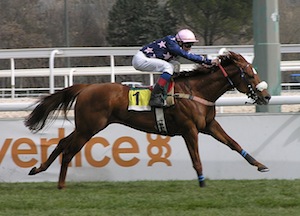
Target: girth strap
{"type": "Point", "coordinates": [194, 98]}
{"type": "Point", "coordinates": [160, 121]}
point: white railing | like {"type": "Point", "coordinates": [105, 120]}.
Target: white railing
{"type": "Point", "coordinates": [222, 101]}
{"type": "Point", "coordinates": [112, 70]}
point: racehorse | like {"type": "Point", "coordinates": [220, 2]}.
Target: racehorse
{"type": "Point", "coordinates": [98, 105]}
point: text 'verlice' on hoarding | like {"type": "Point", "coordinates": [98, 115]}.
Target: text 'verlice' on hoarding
{"type": "Point", "coordinates": [158, 151]}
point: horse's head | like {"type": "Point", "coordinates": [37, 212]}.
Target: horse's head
{"type": "Point", "coordinates": [245, 78]}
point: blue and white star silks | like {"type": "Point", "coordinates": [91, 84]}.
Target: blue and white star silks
{"type": "Point", "coordinates": [167, 47]}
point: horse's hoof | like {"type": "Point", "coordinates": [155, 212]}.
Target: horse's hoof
{"type": "Point", "coordinates": [60, 187]}
{"type": "Point", "coordinates": [263, 169]}
{"type": "Point", "coordinates": [202, 184]}
{"type": "Point", "coordinates": [32, 171]}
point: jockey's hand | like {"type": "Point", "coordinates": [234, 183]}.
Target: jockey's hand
{"type": "Point", "coordinates": [215, 62]}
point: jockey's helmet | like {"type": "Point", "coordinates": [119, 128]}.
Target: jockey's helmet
{"type": "Point", "coordinates": [186, 36]}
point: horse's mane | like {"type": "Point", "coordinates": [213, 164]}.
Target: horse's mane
{"type": "Point", "coordinates": [199, 70]}
{"type": "Point", "coordinates": [202, 70]}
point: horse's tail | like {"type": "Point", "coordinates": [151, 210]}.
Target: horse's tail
{"type": "Point", "coordinates": [61, 100]}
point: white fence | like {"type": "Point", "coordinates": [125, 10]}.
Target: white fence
{"type": "Point", "coordinates": [68, 73]}
{"type": "Point", "coordinates": [223, 101]}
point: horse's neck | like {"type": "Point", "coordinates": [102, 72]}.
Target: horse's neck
{"type": "Point", "coordinates": [210, 86]}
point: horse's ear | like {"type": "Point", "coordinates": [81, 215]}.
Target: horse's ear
{"type": "Point", "coordinates": [238, 59]}
{"type": "Point", "coordinates": [234, 56]}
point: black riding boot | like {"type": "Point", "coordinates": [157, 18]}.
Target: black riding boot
{"type": "Point", "coordinates": [157, 96]}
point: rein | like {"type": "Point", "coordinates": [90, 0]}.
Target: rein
{"type": "Point", "coordinates": [201, 100]}
{"type": "Point", "coordinates": [251, 94]}
{"type": "Point", "coordinates": [226, 75]}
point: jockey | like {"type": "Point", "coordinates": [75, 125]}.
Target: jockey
{"type": "Point", "coordinates": [158, 56]}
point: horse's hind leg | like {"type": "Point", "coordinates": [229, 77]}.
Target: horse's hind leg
{"type": "Point", "coordinates": [78, 142]}
{"type": "Point", "coordinates": [55, 153]}
{"type": "Point", "coordinates": [218, 133]}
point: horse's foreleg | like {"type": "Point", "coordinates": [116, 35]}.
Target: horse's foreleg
{"type": "Point", "coordinates": [216, 131]}
{"type": "Point", "coordinates": [76, 145]}
{"type": "Point", "coordinates": [55, 153]}
{"type": "Point", "coordinates": [191, 140]}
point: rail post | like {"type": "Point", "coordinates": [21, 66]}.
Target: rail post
{"type": "Point", "coordinates": [13, 78]}
{"type": "Point", "coordinates": [51, 66]}
{"type": "Point", "coordinates": [71, 76]}
{"type": "Point", "coordinates": [112, 70]}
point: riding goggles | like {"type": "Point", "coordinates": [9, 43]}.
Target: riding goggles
{"type": "Point", "coordinates": [188, 45]}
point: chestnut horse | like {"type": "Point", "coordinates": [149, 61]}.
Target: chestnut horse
{"type": "Point", "coordinates": [98, 105]}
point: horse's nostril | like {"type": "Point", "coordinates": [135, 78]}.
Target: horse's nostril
{"type": "Point", "coordinates": [268, 97]}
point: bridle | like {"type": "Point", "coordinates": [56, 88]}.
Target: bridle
{"type": "Point", "coordinates": [251, 93]}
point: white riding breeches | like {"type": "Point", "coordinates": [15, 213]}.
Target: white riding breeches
{"type": "Point", "coordinates": [143, 63]}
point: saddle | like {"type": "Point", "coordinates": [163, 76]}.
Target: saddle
{"type": "Point", "coordinates": [139, 98]}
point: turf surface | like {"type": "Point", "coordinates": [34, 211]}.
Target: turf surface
{"type": "Point", "coordinates": [220, 197]}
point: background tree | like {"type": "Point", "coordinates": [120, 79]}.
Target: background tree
{"type": "Point", "coordinates": [135, 22]}
{"type": "Point", "coordinates": [289, 21]}
{"type": "Point", "coordinates": [21, 25]}
{"type": "Point", "coordinates": [41, 23]}
{"type": "Point", "coordinates": [215, 20]}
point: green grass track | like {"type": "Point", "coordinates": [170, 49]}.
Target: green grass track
{"type": "Point", "coordinates": [220, 197]}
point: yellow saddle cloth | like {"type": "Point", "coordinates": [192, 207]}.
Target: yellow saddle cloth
{"type": "Point", "coordinates": [139, 97]}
